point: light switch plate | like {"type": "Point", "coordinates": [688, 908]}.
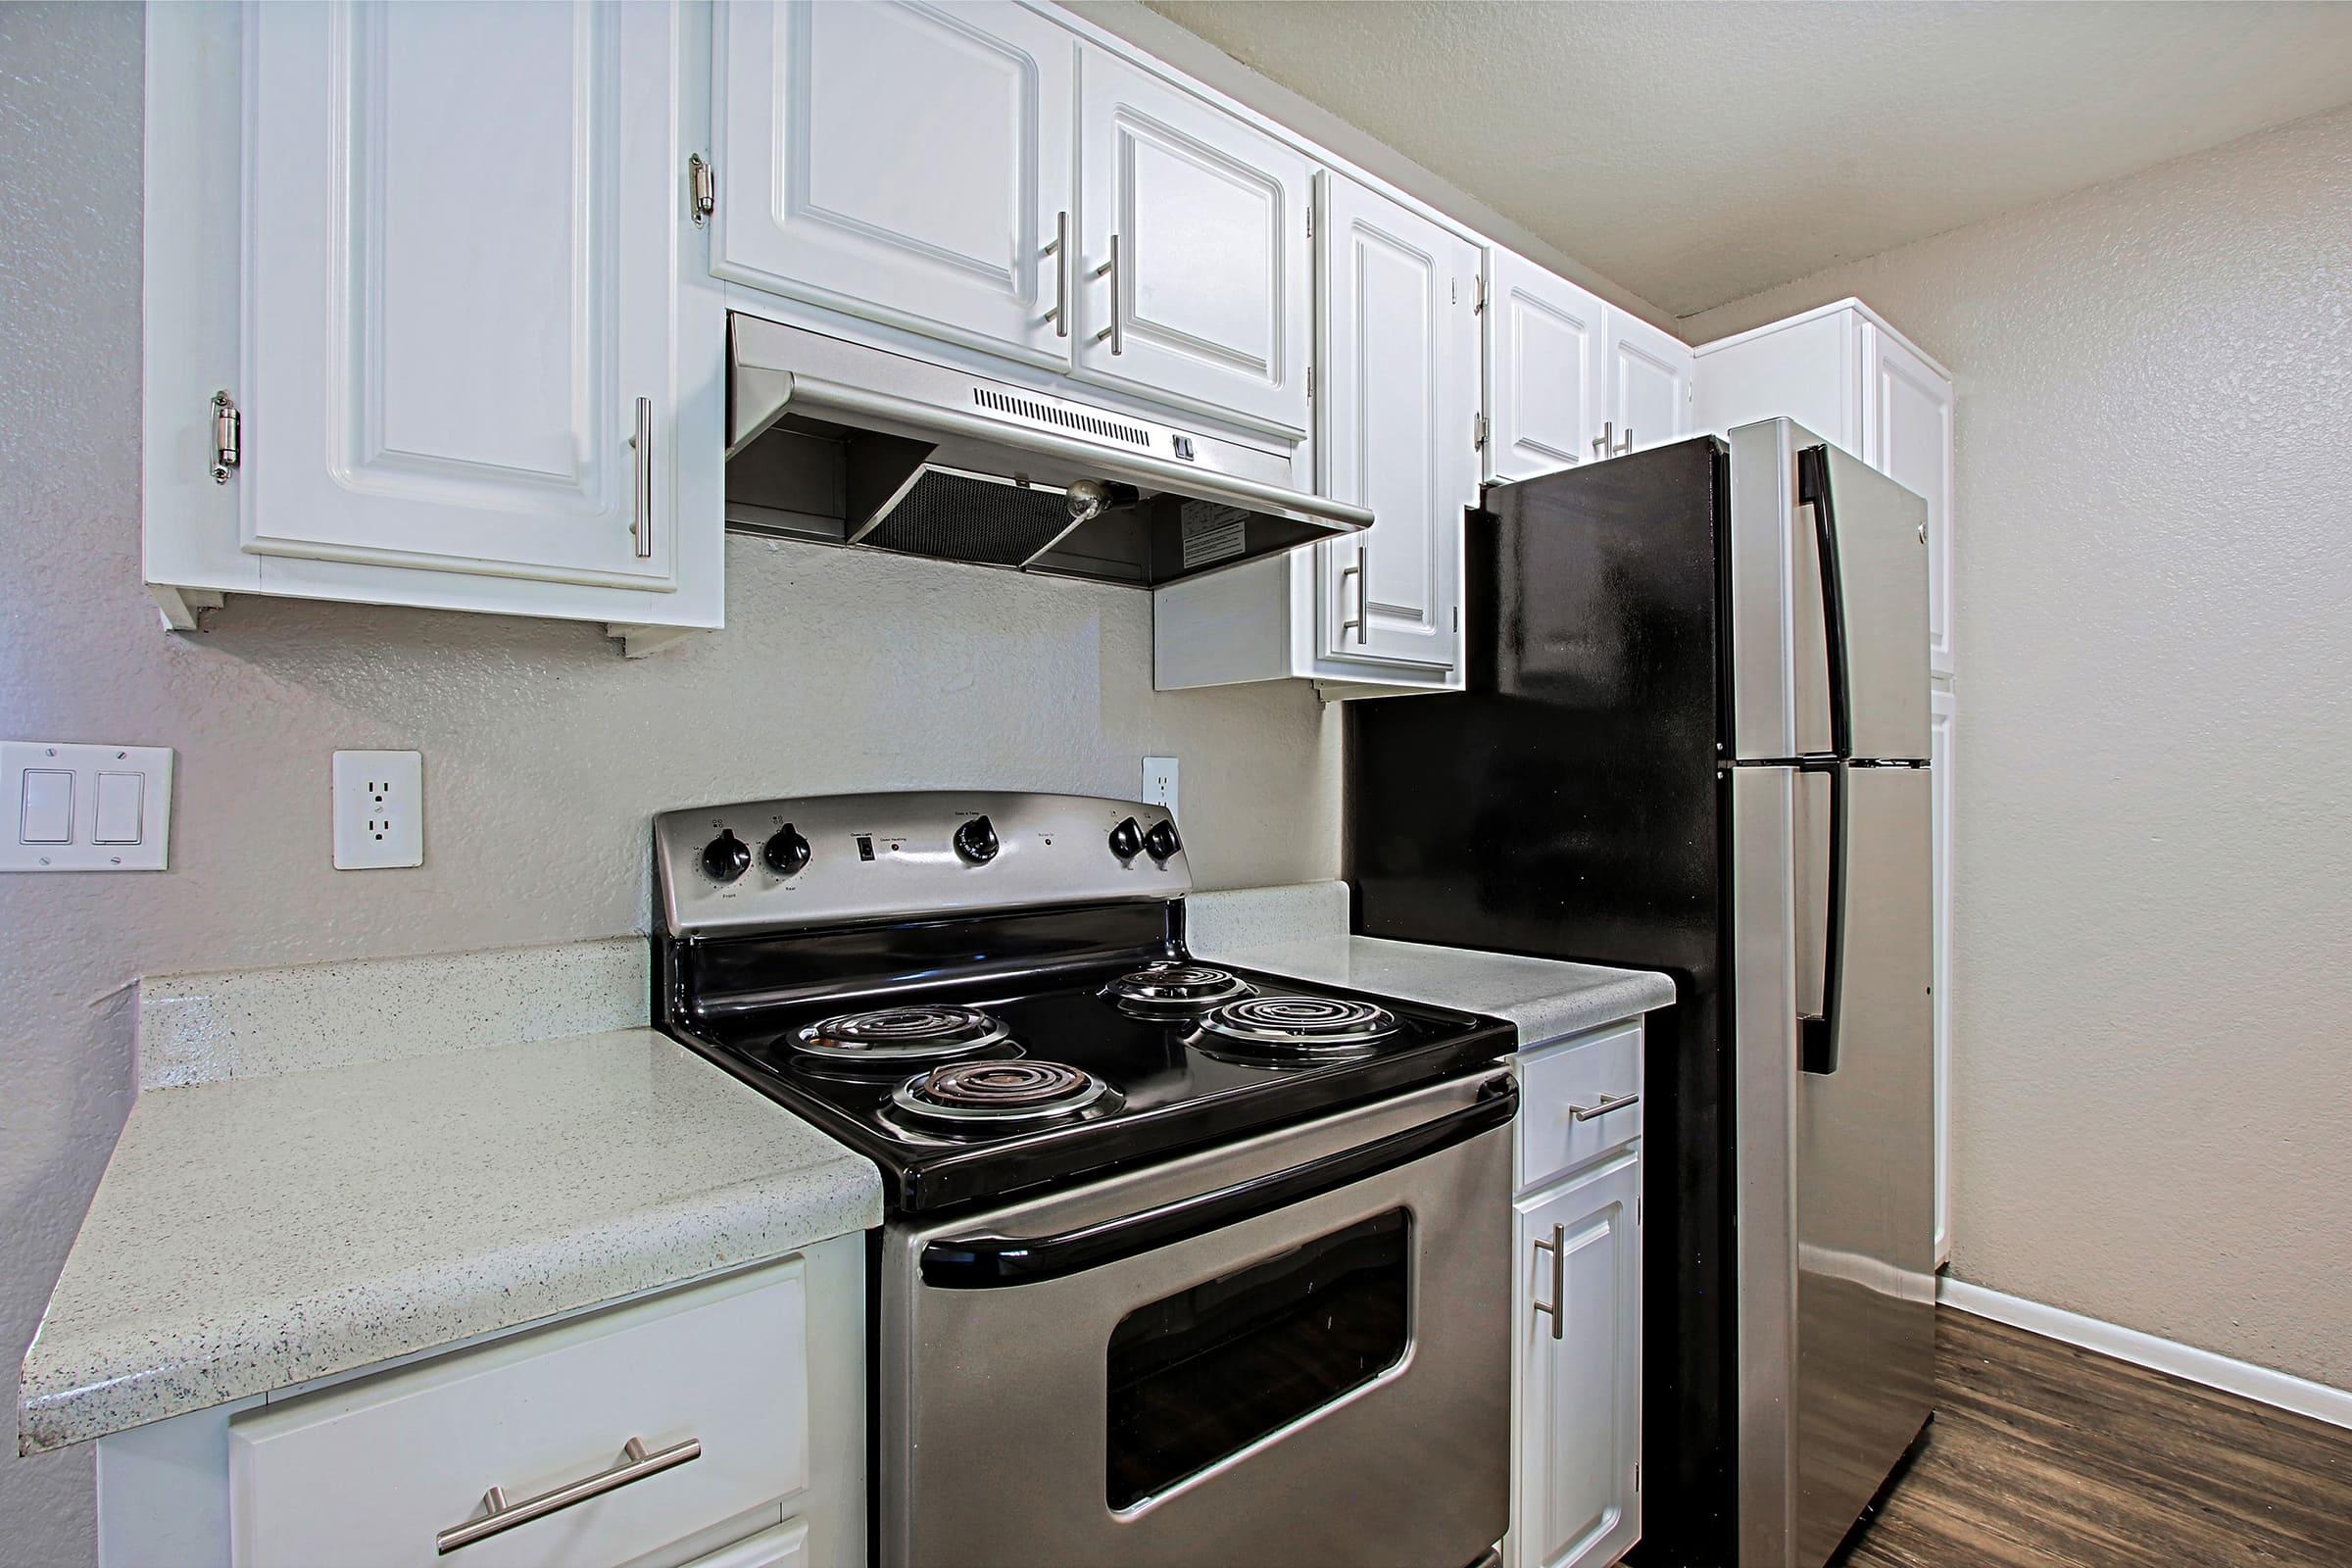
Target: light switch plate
{"type": "Point", "coordinates": [1159, 782]}
{"type": "Point", "coordinates": [378, 809]}
{"type": "Point", "coordinates": [67, 806]}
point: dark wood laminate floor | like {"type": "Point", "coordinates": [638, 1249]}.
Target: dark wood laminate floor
{"type": "Point", "coordinates": [2043, 1453]}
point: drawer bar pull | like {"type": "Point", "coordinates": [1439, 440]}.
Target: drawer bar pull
{"type": "Point", "coordinates": [1588, 1113]}
{"type": "Point", "coordinates": [501, 1515]}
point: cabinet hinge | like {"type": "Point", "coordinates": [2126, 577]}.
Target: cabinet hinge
{"type": "Point", "coordinates": [1310, 222]}
{"type": "Point", "coordinates": [703, 180]}
{"type": "Point", "coordinates": [1454, 291]}
{"type": "Point", "coordinates": [1478, 295]}
{"type": "Point", "coordinates": [1636, 1477]}
{"type": "Point", "coordinates": [227, 426]}
{"type": "Point", "coordinates": [1478, 433]}
{"type": "Point", "coordinates": [1311, 383]}
{"type": "Point", "coordinates": [1458, 617]}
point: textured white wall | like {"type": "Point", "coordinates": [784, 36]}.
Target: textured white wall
{"type": "Point", "coordinates": [2152, 923]}
{"type": "Point", "coordinates": [544, 752]}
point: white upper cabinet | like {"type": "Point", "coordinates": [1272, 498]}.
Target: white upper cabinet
{"type": "Point", "coordinates": [907, 164]}
{"type": "Point", "coordinates": [1194, 268]}
{"type": "Point", "coordinates": [1399, 407]}
{"type": "Point", "coordinates": [1650, 376]}
{"type": "Point", "coordinates": [1396, 409]}
{"type": "Point", "coordinates": [1850, 378]}
{"type": "Point", "coordinates": [480, 387]}
{"type": "Point", "coordinates": [438, 259]}
{"type": "Point", "coordinates": [1546, 373]}
{"type": "Point", "coordinates": [1909, 439]}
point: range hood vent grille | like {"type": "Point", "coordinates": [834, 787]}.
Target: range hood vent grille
{"type": "Point", "coordinates": [1067, 418]}
{"type": "Point", "coordinates": [968, 517]}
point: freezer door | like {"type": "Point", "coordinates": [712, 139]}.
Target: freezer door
{"type": "Point", "coordinates": [1831, 664]}
{"type": "Point", "coordinates": [1837, 1232]}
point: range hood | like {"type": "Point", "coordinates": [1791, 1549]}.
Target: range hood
{"type": "Point", "coordinates": [845, 444]}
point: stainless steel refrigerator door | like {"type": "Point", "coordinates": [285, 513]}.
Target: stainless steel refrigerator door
{"type": "Point", "coordinates": [1784, 659]}
{"type": "Point", "coordinates": [1836, 1170]}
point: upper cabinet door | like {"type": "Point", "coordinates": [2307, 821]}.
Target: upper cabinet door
{"type": "Point", "coordinates": [909, 164]}
{"type": "Point", "coordinates": [1546, 380]}
{"type": "Point", "coordinates": [1194, 273]}
{"type": "Point", "coordinates": [1909, 437]}
{"type": "Point", "coordinates": [475, 384]}
{"type": "Point", "coordinates": [1649, 379]}
{"type": "Point", "coordinates": [1400, 411]}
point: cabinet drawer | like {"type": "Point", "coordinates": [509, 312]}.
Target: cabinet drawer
{"type": "Point", "coordinates": [372, 1472]}
{"type": "Point", "coordinates": [1585, 1074]}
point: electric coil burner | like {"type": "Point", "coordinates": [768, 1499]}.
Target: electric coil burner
{"type": "Point", "coordinates": [1302, 1026]}
{"type": "Point", "coordinates": [1260, 1225]}
{"type": "Point", "coordinates": [901, 1034]}
{"type": "Point", "coordinates": [1175, 988]}
{"type": "Point", "coordinates": [988, 1094]}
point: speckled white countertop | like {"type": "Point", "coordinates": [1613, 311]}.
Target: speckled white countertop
{"type": "Point", "coordinates": [257, 1233]}
{"type": "Point", "coordinates": [1301, 931]}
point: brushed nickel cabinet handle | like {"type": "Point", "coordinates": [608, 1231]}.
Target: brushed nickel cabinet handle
{"type": "Point", "coordinates": [1060, 250]}
{"type": "Point", "coordinates": [1588, 1113]}
{"type": "Point", "coordinates": [641, 511]}
{"type": "Point", "coordinates": [499, 1515]}
{"type": "Point", "coordinates": [1626, 445]}
{"type": "Point", "coordinates": [1111, 269]}
{"type": "Point", "coordinates": [1363, 601]}
{"type": "Point", "coordinates": [1557, 1247]}
{"type": "Point", "coordinates": [1605, 443]}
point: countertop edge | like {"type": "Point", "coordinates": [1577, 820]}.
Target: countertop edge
{"type": "Point", "coordinates": [543, 1278]}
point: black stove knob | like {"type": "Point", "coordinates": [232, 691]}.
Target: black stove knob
{"type": "Point", "coordinates": [976, 841]}
{"type": "Point", "coordinates": [726, 856]}
{"type": "Point", "coordinates": [786, 851]}
{"type": "Point", "coordinates": [1127, 840]}
{"type": "Point", "coordinates": [1162, 841]}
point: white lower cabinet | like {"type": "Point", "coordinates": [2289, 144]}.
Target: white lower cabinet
{"type": "Point", "coordinates": [1575, 1497]}
{"type": "Point", "coordinates": [1397, 430]}
{"type": "Point", "coordinates": [364, 383]}
{"type": "Point", "coordinates": [719, 1425]}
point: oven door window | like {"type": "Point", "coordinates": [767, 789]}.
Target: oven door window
{"type": "Point", "coordinates": [1202, 1374]}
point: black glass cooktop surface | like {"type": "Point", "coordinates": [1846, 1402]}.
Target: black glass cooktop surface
{"type": "Point", "coordinates": [1150, 1078]}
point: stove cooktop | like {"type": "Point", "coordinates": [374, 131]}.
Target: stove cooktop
{"type": "Point", "coordinates": [978, 1088]}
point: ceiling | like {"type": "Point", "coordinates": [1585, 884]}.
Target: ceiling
{"type": "Point", "coordinates": [1699, 153]}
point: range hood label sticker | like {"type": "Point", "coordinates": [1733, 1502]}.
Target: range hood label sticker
{"type": "Point", "coordinates": [1213, 533]}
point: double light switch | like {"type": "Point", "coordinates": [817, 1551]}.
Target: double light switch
{"type": "Point", "coordinates": [86, 808]}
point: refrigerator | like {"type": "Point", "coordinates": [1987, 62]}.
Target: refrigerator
{"type": "Point", "coordinates": [1694, 739]}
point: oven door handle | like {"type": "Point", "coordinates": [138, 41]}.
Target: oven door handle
{"type": "Point", "coordinates": [987, 1262]}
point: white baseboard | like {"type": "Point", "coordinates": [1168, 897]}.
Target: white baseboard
{"type": "Point", "coordinates": [2282, 1390]}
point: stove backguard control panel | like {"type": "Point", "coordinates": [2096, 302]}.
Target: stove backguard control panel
{"type": "Point", "coordinates": [828, 859]}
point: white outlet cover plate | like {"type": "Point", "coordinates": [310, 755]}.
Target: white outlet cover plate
{"type": "Point", "coordinates": [1159, 782]}
{"type": "Point", "coordinates": [83, 807]}
{"type": "Point", "coordinates": [378, 809]}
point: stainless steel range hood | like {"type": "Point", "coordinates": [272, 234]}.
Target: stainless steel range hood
{"type": "Point", "coordinates": [838, 442]}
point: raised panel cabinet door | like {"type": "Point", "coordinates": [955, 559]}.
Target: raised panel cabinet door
{"type": "Point", "coordinates": [904, 163]}
{"type": "Point", "coordinates": [1943, 711]}
{"type": "Point", "coordinates": [1576, 1503]}
{"type": "Point", "coordinates": [1909, 439]}
{"type": "Point", "coordinates": [461, 290]}
{"type": "Point", "coordinates": [1399, 434]}
{"type": "Point", "coordinates": [1545, 376]}
{"type": "Point", "coordinates": [1649, 382]}
{"type": "Point", "coordinates": [1207, 301]}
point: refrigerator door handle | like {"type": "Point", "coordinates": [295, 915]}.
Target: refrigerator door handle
{"type": "Point", "coordinates": [1817, 1033]}
{"type": "Point", "coordinates": [1813, 489]}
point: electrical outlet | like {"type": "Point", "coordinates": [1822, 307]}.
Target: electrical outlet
{"type": "Point", "coordinates": [1159, 782]}
{"type": "Point", "coordinates": [379, 810]}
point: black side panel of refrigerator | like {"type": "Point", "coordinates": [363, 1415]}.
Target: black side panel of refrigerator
{"type": "Point", "coordinates": [1572, 803]}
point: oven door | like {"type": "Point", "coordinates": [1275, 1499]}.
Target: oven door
{"type": "Point", "coordinates": [1290, 1351]}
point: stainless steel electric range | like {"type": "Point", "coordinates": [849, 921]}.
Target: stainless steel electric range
{"type": "Point", "coordinates": [1183, 1266]}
